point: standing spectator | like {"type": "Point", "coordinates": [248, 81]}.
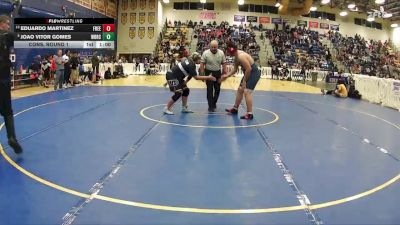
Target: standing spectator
{"type": "Point", "coordinates": [95, 66]}
{"type": "Point", "coordinates": [59, 70]}
{"type": "Point", "coordinates": [67, 68]}
{"type": "Point", "coordinates": [46, 71]}
{"type": "Point", "coordinates": [74, 68]}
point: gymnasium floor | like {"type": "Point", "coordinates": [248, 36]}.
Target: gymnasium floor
{"type": "Point", "coordinates": [105, 154]}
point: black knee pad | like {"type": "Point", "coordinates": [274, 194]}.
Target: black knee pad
{"type": "Point", "coordinates": [176, 96]}
{"type": "Point", "coordinates": [186, 92]}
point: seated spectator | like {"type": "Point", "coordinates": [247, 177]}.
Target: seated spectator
{"type": "Point", "coordinates": [340, 91]}
{"type": "Point", "coordinates": [107, 74]}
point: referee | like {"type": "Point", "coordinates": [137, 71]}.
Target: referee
{"type": "Point", "coordinates": [211, 62]}
{"type": "Point", "coordinates": [6, 41]}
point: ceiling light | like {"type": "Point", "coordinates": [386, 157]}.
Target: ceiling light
{"type": "Point", "coordinates": [277, 4]}
{"type": "Point", "coordinates": [203, 1]}
{"type": "Point", "coordinates": [370, 19]}
{"type": "Point", "coordinates": [343, 13]}
{"type": "Point", "coordinates": [394, 25]}
{"type": "Point", "coordinates": [351, 6]}
{"type": "Point", "coordinates": [379, 2]}
{"type": "Point", "coordinates": [166, 1]}
{"type": "Point", "coordinates": [324, 2]}
{"type": "Point", "coordinates": [313, 8]}
{"type": "Point", "coordinates": [241, 2]}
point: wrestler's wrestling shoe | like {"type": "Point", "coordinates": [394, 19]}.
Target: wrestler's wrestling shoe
{"type": "Point", "coordinates": [232, 111]}
{"type": "Point", "coordinates": [247, 117]}
{"type": "Point", "coordinates": [167, 111]}
{"type": "Point", "coordinates": [185, 109]}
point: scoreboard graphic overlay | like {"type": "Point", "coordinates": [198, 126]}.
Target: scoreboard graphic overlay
{"type": "Point", "coordinates": [75, 33]}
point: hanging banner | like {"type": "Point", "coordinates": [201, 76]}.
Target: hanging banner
{"type": "Point", "coordinates": [86, 3]}
{"type": "Point", "coordinates": [324, 26]}
{"type": "Point", "coordinates": [313, 24]}
{"type": "Point", "coordinates": [152, 4]}
{"type": "Point", "coordinates": [150, 32]}
{"type": "Point", "coordinates": [99, 6]}
{"type": "Point", "coordinates": [132, 32]}
{"type": "Point", "coordinates": [142, 4]}
{"type": "Point", "coordinates": [142, 18]}
{"type": "Point", "coordinates": [287, 21]}
{"type": "Point", "coordinates": [277, 20]}
{"type": "Point", "coordinates": [151, 17]}
{"type": "Point", "coordinates": [111, 9]}
{"type": "Point", "coordinates": [265, 19]}
{"type": "Point", "coordinates": [252, 19]}
{"type": "Point", "coordinates": [124, 18]}
{"type": "Point", "coordinates": [335, 27]}
{"type": "Point", "coordinates": [124, 5]}
{"type": "Point", "coordinates": [302, 23]}
{"type": "Point", "coordinates": [206, 15]}
{"type": "Point", "coordinates": [133, 4]}
{"type": "Point", "coordinates": [132, 18]}
{"type": "Point", "coordinates": [238, 18]}
{"type": "Point", "coordinates": [142, 32]}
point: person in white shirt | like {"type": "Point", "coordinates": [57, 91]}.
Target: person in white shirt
{"type": "Point", "coordinates": [211, 62]}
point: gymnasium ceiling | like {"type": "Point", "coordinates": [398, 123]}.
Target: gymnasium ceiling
{"type": "Point", "coordinates": [364, 6]}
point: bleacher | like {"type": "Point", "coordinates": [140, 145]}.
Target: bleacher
{"type": "Point", "coordinates": [171, 41]}
{"type": "Point", "coordinates": [243, 36]}
{"type": "Point", "coordinates": [297, 47]}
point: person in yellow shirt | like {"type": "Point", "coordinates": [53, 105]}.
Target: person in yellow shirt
{"type": "Point", "coordinates": [340, 91]}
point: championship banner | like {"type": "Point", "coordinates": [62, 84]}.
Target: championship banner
{"type": "Point", "coordinates": [132, 32]}
{"type": "Point", "coordinates": [238, 18]}
{"type": "Point", "coordinates": [111, 9]}
{"type": "Point", "coordinates": [206, 15]}
{"type": "Point", "coordinates": [99, 6]}
{"type": "Point", "coordinates": [264, 19]}
{"type": "Point", "coordinates": [151, 17]}
{"type": "Point", "coordinates": [133, 4]}
{"type": "Point", "coordinates": [87, 3]}
{"type": "Point", "coordinates": [313, 24]}
{"type": "Point", "coordinates": [142, 4]}
{"type": "Point", "coordinates": [150, 32]}
{"type": "Point", "coordinates": [124, 18]}
{"type": "Point", "coordinates": [124, 5]}
{"type": "Point", "coordinates": [302, 23]}
{"type": "Point", "coordinates": [132, 18]}
{"type": "Point", "coordinates": [252, 19]}
{"type": "Point", "coordinates": [277, 20]}
{"type": "Point", "coordinates": [152, 4]}
{"type": "Point", "coordinates": [324, 26]}
{"type": "Point", "coordinates": [142, 18]}
{"type": "Point", "coordinates": [334, 27]}
{"type": "Point", "coordinates": [142, 32]}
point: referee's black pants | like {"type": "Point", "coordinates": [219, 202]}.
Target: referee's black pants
{"type": "Point", "coordinates": [6, 108]}
{"type": "Point", "coordinates": [213, 89]}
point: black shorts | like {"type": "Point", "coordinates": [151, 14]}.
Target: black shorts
{"type": "Point", "coordinates": [175, 85]}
